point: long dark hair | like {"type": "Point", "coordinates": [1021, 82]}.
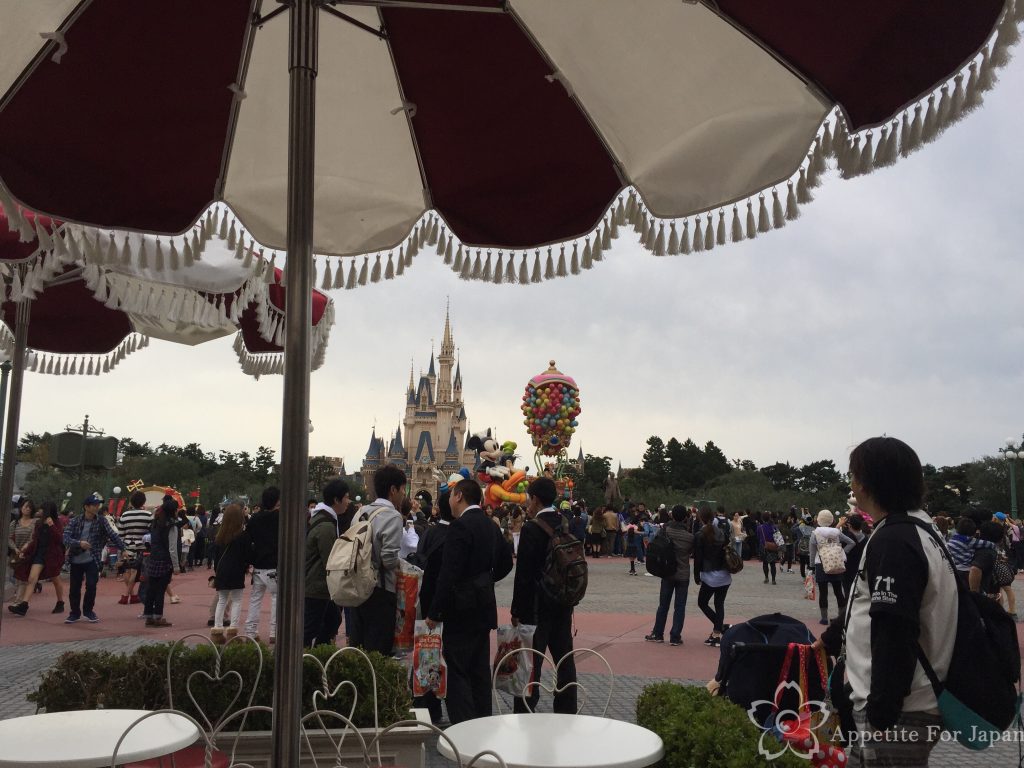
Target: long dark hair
{"type": "Point", "coordinates": [708, 531]}
{"type": "Point", "coordinates": [50, 510]}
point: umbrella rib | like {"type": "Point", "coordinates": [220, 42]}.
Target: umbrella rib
{"type": "Point", "coordinates": [620, 169]}
{"type": "Point", "coordinates": [324, 6]}
{"type": "Point", "coordinates": [236, 103]}
{"type": "Point", "coordinates": [50, 45]}
{"type": "Point", "coordinates": [424, 6]}
{"type": "Point", "coordinates": [428, 200]}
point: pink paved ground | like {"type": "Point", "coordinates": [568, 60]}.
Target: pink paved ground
{"type": "Point", "coordinates": [617, 636]}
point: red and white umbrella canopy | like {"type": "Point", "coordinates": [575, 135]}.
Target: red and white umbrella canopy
{"type": "Point", "coordinates": [519, 122]}
{"type": "Point", "coordinates": [100, 295]}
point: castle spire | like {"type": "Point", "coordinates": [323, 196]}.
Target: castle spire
{"type": "Point", "coordinates": [447, 345]}
{"type": "Point", "coordinates": [412, 387]}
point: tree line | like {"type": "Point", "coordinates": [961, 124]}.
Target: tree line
{"type": "Point", "coordinates": [213, 475]}
{"type": "Point", "coordinates": [674, 472]}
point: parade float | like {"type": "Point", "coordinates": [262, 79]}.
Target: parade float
{"type": "Point", "coordinates": [551, 406]}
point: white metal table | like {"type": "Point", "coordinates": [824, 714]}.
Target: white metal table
{"type": "Point", "coordinates": [86, 738]}
{"type": "Point", "coordinates": [545, 740]}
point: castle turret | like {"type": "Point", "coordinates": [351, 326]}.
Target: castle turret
{"type": "Point", "coordinates": [445, 359]}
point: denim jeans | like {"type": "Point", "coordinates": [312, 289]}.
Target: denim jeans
{"type": "Point", "coordinates": [90, 572]}
{"type": "Point", "coordinates": [670, 587]}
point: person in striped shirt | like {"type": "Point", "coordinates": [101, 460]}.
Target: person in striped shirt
{"type": "Point", "coordinates": [134, 524]}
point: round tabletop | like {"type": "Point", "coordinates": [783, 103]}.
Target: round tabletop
{"type": "Point", "coordinates": [86, 738]}
{"type": "Point", "coordinates": [545, 740]}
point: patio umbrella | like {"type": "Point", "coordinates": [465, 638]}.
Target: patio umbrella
{"type": "Point", "coordinates": [64, 314]}
{"type": "Point", "coordinates": [519, 123]}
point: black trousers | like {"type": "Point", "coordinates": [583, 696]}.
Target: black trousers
{"type": "Point", "coordinates": [466, 653]}
{"type": "Point", "coordinates": [554, 632]}
{"type": "Point", "coordinates": [373, 622]}
{"type": "Point", "coordinates": [156, 588]}
{"type": "Point", "coordinates": [320, 621]}
{"type": "Point", "coordinates": [90, 573]}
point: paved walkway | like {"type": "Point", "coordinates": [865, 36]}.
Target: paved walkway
{"type": "Point", "coordinates": [613, 619]}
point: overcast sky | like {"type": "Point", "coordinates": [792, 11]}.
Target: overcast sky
{"type": "Point", "coordinates": [893, 305]}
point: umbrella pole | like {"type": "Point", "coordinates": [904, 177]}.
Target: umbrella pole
{"type": "Point", "coordinates": [11, 437]}
{"type": "Point", "coordinates": [302, 68]}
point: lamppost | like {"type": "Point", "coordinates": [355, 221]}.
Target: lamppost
{"type": "Point", "coordinates": [1011, 454]}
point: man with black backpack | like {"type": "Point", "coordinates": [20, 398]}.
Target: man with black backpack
{"type": "Point", "coordinates": [902, 607]}
{"type": "Point", "coordinates": [674, 573]}
{"type": "Point", "coordinates": [538, 598]}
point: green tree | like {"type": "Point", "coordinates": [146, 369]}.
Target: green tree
{"type": "Point", "coordinates": [675, 459]}
{"type": "Point", "coordinates": [715, 463]}
{"type": "Point", "coordinates": [654, 458]}
{"type": "Point", "coordinates": [130, 449]}
{"type": "Point", "coordinates": [782, 475]}
{"type": "Point", "coordinates": [690, 473]}
{"type": "Point", "coordinates": [264, 462]}
{"type": "Point", "coordinates": [818, 476]}
{"type": "Point", "coordinates": [31, 443]}
{"type": "Point", "coordinates": [320, 471]}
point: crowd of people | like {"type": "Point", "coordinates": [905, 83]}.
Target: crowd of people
{"type": "Point", "coordinates": [894, 590]}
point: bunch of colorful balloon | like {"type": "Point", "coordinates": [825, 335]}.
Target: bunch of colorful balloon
{"type": "Point", "coordinates": [551, 404]}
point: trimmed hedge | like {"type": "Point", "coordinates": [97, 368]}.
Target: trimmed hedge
{"type": "Point", "coordinates": [138, 680]}
{"type": "Point", "coordinates": [703, 730]}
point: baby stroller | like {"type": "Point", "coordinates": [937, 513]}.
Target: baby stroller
{"type": "Point", "coordinates": [751, 660]}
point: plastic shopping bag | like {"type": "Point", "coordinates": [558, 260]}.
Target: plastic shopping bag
{"type": "Point", "coordinates": [407, 590]}
{"type": "Point", "coordinates": [429, 672]}
{"type": "Point", "coordinates": [513, 672]}
{"type": "Point", "coordinates": [810, 587]}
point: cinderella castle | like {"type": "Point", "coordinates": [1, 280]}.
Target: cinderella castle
{"type": "Point", "coordinates": [433, 433]}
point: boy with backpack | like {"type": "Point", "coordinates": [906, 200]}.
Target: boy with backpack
{"type": "Point", "coordinates": [551, 578]}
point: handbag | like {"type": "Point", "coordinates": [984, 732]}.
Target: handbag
{"type": "Point", "coordinates": [813, 734]}
{"type": "Point", "coordinates": [810, 588]}
{"type": "Point", "coordinates": [1003, 573]}
{"type": "Point", "coordinates": [733, 562]}
{"type": "Point", "coordinates": [833, 558]}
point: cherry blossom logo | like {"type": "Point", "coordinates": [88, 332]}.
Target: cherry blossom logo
{"type": "Point", "coordinates": [789, 730]}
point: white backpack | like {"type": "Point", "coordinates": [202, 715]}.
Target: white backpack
{"type": "Point", "coordinates": [833, 558]}
{"type": "Point", "coordinates": [351, 575]}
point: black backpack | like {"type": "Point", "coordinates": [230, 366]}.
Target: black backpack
{"type": "Point", "coordinates": [985, 665]}
{"type": "Point", "coordinates": [564, 576]}
{"type": "Point", "coordinates": [661, 556]}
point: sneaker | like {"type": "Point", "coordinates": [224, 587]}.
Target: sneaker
{"type": "Point", "coordinates": [72, 618]}
{"type": "Point", "coordinates": [823, 622]}
{"type": "Point", "coordinates": [652, 638]}
{"type": "Point", "coordinates": [145, 616]}
{"type": "Point", "coordinates": [134, 600]}
{"type": "Point", "coordinates": [648, 573]}
{"type": "Point", "coordinates": [90, 617]}
{"type": "Point", "coordinates": [59, 607]}
{"type": "Point", "coordinates": [123, 600]}
{"type": "Point", "coordinates": [175, 600]}
{"type": "Point", "coordinates": [676, 641]}
{"type": "Point", "coordinates": [18, 610]}
{"type": "Point", "coordinates": [158, 622]}
{"type": "Point", "coordinates": [710, 640]}
{"type": "Point", "coordinates": [790, 570]}
{"type": "Point", "coordinates": [716, 642]}
{"type": "Point", "coordinates": [210, 622]}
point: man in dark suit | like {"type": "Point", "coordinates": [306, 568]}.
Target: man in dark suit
{"type": "Point", "coordinates": [475, 556]}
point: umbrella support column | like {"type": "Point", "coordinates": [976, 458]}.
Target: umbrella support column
{"type": "Point", "coordinates": [302, 69]}
{"type": "Point", "coordinates": [11, 436]}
